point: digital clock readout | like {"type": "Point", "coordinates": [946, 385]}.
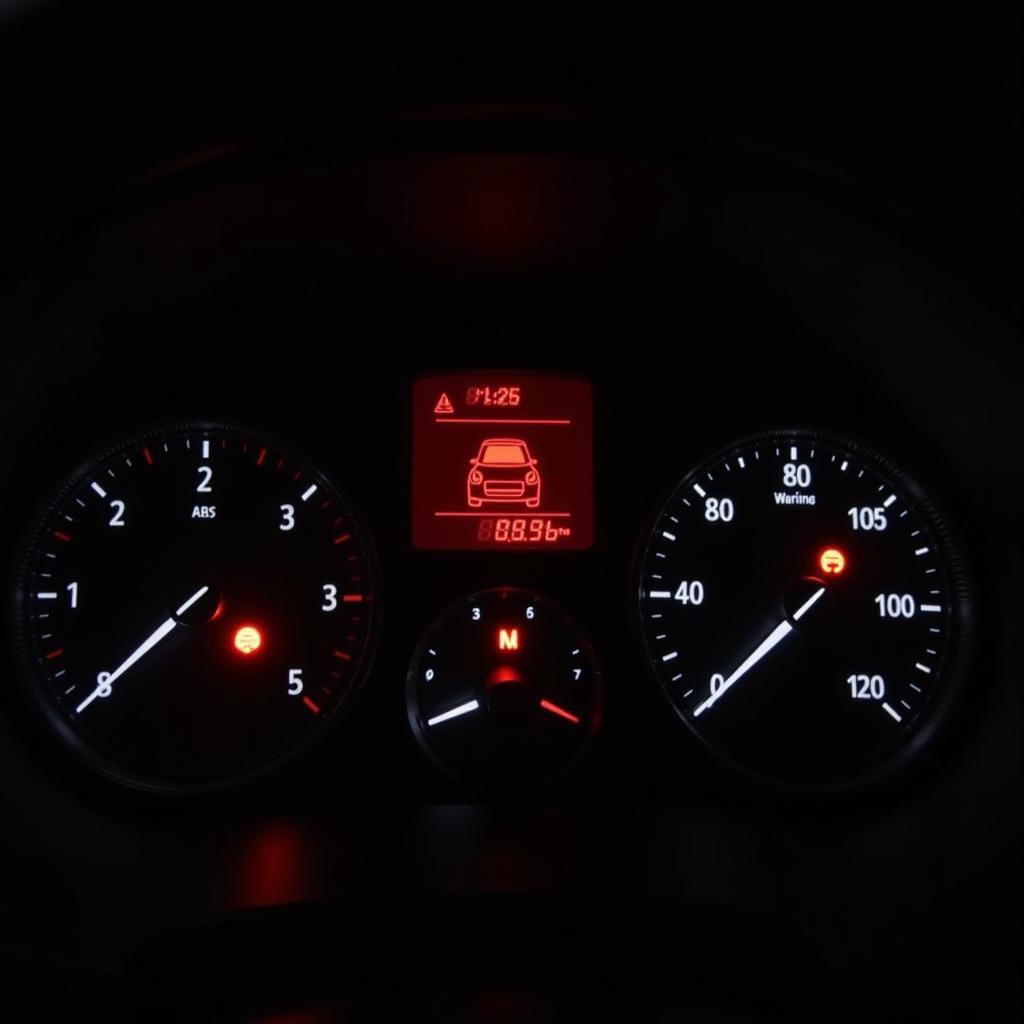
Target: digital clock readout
{"type": "Point", "coordinates": [509, 397]}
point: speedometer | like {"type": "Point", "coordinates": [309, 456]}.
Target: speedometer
{"type": "Point", "coordinates": [804, 608]}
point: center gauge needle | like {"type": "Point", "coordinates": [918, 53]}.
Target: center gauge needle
{"type": "Point", "coordinates": [105, 680]}
{"type": "Point", "coordinates": [776, 636]}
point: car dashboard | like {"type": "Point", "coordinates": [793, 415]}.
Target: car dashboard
{"type": "Point", "coordinates": [529, 641]}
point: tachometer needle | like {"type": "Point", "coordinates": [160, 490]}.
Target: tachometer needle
{"type": "Point", "coordinates": [778, 634]}
{"type": "Point", "coordinates": [105, 680]}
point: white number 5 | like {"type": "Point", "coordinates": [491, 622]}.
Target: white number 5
{"type": "Point", "coordinates": [294, 681]}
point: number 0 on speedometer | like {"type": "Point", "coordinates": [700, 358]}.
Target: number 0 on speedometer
{"type": "Point", "coordinates": [804, 609]}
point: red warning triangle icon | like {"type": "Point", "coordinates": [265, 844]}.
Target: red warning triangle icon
{"type": "Point", "coordinates": [444, 405]}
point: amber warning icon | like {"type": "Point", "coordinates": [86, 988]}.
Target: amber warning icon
{"type": "Point", "coordinates": [444, 405]}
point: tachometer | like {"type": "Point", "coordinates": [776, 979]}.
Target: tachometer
{"type": "Point", "coordinates": [194, 607]}
{"type": "Point", "coordinates": [804, 608]}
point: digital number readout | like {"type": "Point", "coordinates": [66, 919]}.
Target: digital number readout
{"type": "Point", "coordinates": [521, 531]}
{"type": "Point", "coordinates": [504, 396]}
{"type": "Point", "coordinates": [505, 462]}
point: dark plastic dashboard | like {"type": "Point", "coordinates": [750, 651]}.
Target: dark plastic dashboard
{"type": "Point", "coordinates": [707, 292]}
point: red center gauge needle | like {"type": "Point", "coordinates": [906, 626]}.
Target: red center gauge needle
{"type": "Point", "coordinates": [548, 705]}
{"type": "Point", "coordinates": [778, 634]}
{"type": "Point", "coordinates": [105, 680]}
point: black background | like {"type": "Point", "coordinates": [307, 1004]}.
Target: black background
{"type": "Point", "coordinates": [281, 219]}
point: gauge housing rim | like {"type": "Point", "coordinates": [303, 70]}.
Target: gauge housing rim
{"type": "Point", "coordinates": [53, 717]}
{"type": "Point", "coordinates": [411, 702]}
{"type": "Point", "coordinates": [934, 718]}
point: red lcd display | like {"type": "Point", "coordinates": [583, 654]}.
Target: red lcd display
{"type": "Point", "coordinates": [502, 461]}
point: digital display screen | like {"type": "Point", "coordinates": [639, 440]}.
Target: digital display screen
{"type": "Point", "coordinates": [502, 461]}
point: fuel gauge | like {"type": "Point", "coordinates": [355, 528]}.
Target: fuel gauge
{"type": "Point", "coordinates": [504, 690]}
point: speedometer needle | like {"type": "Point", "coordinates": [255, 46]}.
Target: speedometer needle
{"type": "Point", "coordinates": [105, 680]}
{"type": "Point", "coordinates": [776, 636]}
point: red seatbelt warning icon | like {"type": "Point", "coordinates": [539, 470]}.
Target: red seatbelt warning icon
{"type": "Point", "coordinates": [444, 405]}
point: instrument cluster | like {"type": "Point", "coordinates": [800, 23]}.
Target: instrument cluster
{"type": "Point", "coordinates": [201, 601]}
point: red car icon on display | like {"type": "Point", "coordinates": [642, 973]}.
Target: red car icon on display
{"type": "Point", "coordinates": [504, 473]}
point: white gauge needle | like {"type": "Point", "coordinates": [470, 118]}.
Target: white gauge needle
{"type": "Point", "coordinates": [447, 716]}
{"type": "Point", "coordinates": [105, 680]}
{"type": "Point", "coordinates": [778, 634]}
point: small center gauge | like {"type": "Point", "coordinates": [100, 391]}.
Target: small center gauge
{"type": "Point", "coordinates": [504, 690]}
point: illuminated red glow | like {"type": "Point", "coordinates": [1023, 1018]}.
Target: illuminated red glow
{"type": "Point", "coordinates": [148, 456]}
{"type": "Point", "coordinates": [510, 465]}
{"type": "Point", "coordinates": [503, 675]}
{"type": "Point", "coordinates": [61, 536]}
{"type": "Point", "coordinates": [276, 864]}
{"type": "Point", "coordinates": [247, 640]}
{"type": "Point", "coordinates": [561, 712]}
{"type": "Point", "coordinates": [832, 561]}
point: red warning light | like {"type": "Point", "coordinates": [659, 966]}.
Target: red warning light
{"type": "Point", "coordinates": [832, 561]}
{"type": "Point", "coordinates": [248, 640]}
{"type": "Point", "coordinates": [508, 639]}
{"type": "Point", "coordinates": [444, 406]}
